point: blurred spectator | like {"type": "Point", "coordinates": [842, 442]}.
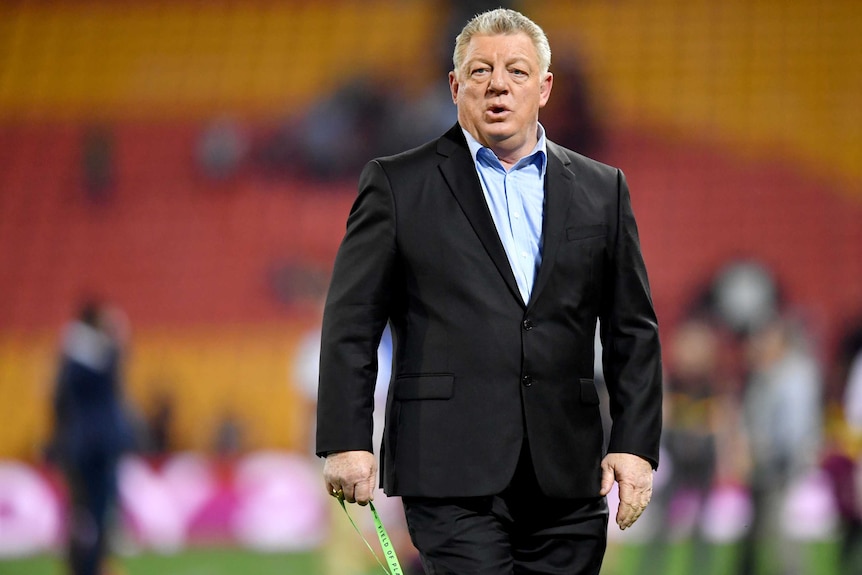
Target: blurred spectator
{"type": "Point", "coordinates": [850, 369]}
{"type": "Point", "coordinates": [571, 111]}
{"type": "Point", "coordinates": [159, 424]}
{"type": "Point", "coordinates": [306, 369]}
{"type": "Point", "coordinates": [744, 295]}
{"type": "Point", "coordinates": [221, 148]}
{"type": "Point", "coordinates": [842, 461]}
{"type": "Point", "coordinates": [341, 558]}
{"type": "Point", "coordinates": [228, 438]}
{"type": "Point", "coordinates": [783, 422]}
{"type": "Point", "coordinates": [425, 117]}
{"type": "Point", "coordinates": [296, 283]}
{"type": "Point", "coordinates": [92, 429]}
{"type": "Point", "coordinates": [340, 131]}
{"type": "Point", "coordinates": [697, 410]}
{"type": "Point", "coordinates": [841, 466]}
{"type": "Point", "coordinates": [98, 163]}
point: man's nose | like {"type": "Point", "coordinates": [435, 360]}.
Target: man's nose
{"type": "Point", "coordinates": [498, 84]}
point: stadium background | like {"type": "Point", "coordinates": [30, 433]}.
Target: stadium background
{"type": "Point", "coordinates": [148, 153]}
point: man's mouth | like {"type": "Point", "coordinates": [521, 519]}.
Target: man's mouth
{"type": "Point", "coordinates": [497, 110]}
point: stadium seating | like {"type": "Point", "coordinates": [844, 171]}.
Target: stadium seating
{"type": "Point", "coordinates": [736, 123]}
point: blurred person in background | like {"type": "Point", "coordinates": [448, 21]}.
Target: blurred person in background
{"type": "Point", "coordinates": [850, 374]}
{"type": "Point", "coordinates": [98, 163]}
{"type": "Point", "coordinates": [345, 554]}
{"type": "Point", "coordinates": [698, 414]}
{"type": "Point", "coordinates": [492, 252]}
{"type": "Point", "coordinates": [571, 111]}
{"type": "Point", "coordinates": [842, 459]}
{"type": "Point", "coordinates": [159, 423]}
{"type": "Point", "coordinates": [92, 429]}
{"type": "Point", "coordinates": [782, 414]}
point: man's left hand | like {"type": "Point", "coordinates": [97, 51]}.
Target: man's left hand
{"type": "Point", "coordinates": [634, 475]}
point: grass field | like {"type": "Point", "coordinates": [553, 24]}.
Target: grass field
{"type": "Point", "coordinates": [190, 562]}
{"type": "Point", "coordinates": [623, 560]}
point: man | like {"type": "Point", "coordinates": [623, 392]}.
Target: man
{"type": "Point", "coordinates": [492, 252]}
{"type": "Point", "coordinates": [92, 430]}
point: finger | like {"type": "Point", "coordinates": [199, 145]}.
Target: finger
{"type": "Point", "coordinates": [332, 481]}
{"type": "Point", "coordinates": [627, 521]}
{"type": "Point", "coordinates": [364, 491]}
{"type": "Point", "coordinates": [631, 510]}
{"type": "Point", "coordinates": [607, 480]}
{"type": "Point", "coordinates": [622, 518]}
{"type": "Point", "coordinates": [627, 511]}
{"type": "Point", "coordinates": [334, 490]}
{"type": "Point", "coordinates": [626, 516]}
{"type": "Point", "coordinates": [635, 504]}
{"type": "Point", "coordinates": [349, 493]}
{"type": "Point", "coordinates": [331, 488]}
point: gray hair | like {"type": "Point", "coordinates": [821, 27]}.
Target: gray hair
{"type": "Point", "coordinates": [502, 21]}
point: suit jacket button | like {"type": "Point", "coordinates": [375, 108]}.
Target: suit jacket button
{"type": "Point", "coordinates": [527, 380]}
{"type": "Point", "coordinates": [528, 325]}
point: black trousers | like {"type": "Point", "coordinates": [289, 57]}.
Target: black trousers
{"type": "Point", "coordinates": [519, 531]}
{"type": "Point", "coordinates": [92, 483]}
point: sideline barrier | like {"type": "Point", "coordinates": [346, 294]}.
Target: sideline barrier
{"type": "Point", "coordinates": [274, 501]}
{"type": "Point", "coordinates": [268, 501]}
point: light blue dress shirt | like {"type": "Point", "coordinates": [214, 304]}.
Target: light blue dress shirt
{"type": "Point", "coordinates": [516, 199]}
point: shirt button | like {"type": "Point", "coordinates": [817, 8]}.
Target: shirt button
{"type": "Point", "coordinates": [527, 380]}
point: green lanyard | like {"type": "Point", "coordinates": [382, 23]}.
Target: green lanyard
{"type": "Point", "coordinates": [388, 549]}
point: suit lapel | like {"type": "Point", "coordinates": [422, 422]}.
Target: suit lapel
{"type": "Point", "coordinates": [558, 194]}
{"type": "Point", "coordinates": [459, 171]}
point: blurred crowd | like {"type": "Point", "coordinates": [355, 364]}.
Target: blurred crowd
{"type": "Point", "coordinates": [754, 398]}
{"type": "Point", "coordinates": [373, 114]}
{"type": "Point", "coordinates": [754, 403]}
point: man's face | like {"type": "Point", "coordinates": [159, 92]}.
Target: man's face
{"type": "Point", "coordinates": [499, 90]}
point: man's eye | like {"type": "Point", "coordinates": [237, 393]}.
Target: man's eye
{"type": "Point", "coordinates": [517, 72]}
{"type": "Point", "coordinates": [478, 71]}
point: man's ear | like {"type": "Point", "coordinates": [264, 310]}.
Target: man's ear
{"type": "Point", "coordinates": [545, 89]}
{"type": "Point", "coordinates": [454, 86]}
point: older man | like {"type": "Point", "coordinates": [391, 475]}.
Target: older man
{"type": "Point", "coordinates": [492, 252]}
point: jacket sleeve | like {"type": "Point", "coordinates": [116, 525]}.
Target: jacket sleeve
{"type": "Point", "coordinates": [630, 341]}
{"type": "Point", "coordinates": [355, 314]}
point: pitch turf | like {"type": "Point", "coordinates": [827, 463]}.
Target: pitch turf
{"type": "Point", "coordinates": [621, 560]}
{"type": "Point", "coordinates": [189, 562]}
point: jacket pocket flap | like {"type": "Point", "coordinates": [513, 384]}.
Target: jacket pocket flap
{"type": "Point", "coordinates": [437, 386]}
{"type": "Point", "coordinates": [589, 394]}
{"type": "Point", "coordinates": [584, 232]}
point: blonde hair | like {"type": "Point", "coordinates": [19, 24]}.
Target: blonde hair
{"type": "Point", "coordinates": [502, 21]}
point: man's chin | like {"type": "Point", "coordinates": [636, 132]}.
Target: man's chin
{"type": "Point", "coordinates": [497, 132]}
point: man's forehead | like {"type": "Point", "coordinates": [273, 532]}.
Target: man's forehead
{"type": "Point", "coordinates": [514, 45]}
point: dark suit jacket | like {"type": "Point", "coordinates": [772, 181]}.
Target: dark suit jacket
{"type": "Point", "coordinates": [90, 421]}
{"type": "Point", "coordinates": [475, 370]}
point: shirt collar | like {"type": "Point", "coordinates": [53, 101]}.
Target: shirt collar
{"type": "Point", "coordinates": [540, 148]}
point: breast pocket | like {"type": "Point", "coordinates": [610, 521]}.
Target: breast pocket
{"type": "Point", "coordinates": [580, 259]}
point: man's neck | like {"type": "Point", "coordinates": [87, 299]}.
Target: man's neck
{"type": "Point", "coordinates": [508, 152]}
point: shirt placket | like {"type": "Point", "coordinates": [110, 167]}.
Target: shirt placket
{"type": "Point", "coordinates": [519, 236]}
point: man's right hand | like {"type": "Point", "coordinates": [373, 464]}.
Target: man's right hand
{"type": "Point", "coordinates": [352, 472]}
